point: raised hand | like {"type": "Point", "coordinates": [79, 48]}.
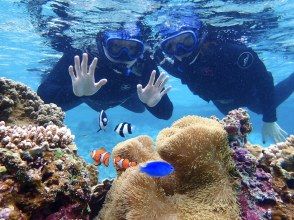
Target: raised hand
{"type": "Point", "coordinates": [83, 80]}
{"type": "Point", "coordinates": [153, 92]}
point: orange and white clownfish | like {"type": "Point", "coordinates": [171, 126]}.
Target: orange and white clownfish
{"type": "Point", "coordinates": [100, 156]}
{"type": "Point", "coordinates": [122, 164]}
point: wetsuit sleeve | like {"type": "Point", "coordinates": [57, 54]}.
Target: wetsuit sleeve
{"type": "Point", "coordinates": [57, 85]}
{"type": "Point", "coordinates": [164, 108]}
{"type": "Point", "coordinates": [265, 90]}
{"type": "Point", "coordinates": [248, 61]}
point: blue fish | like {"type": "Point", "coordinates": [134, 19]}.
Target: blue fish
{"type": "Point", "coordinates": [157, 168]}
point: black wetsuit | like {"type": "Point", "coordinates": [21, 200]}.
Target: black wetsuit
{"type": "Point", "coordinates": [120, 89]}
{"type": "Point", "coordinates": [231, 76]}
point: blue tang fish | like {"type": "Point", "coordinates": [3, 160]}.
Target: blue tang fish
{"type": "Point", "coordinates": [157, 168]}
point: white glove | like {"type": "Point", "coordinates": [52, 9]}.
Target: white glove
{"type": "Point", "coordinates": [273, 130]}
{"type": "Point", "coordinates": [153, 92]}
{"type": "Point", "coordinates": [83, 82]}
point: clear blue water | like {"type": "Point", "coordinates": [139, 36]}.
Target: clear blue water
{"type": "Point", "coordinates": [26, 54]}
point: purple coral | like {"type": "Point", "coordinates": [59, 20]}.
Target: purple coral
{"type": "Point", "coordinates": [256, 192]}
{"type": "Point", "coordinates": [4, 213]}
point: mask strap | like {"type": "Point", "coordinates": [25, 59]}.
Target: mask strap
{"type": "Point", "coordinates": [203, 37]}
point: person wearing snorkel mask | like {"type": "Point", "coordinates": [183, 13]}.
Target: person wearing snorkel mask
{"type": "Point", "coordinates": [121, 72]}
{"type": "Point", "coordinates": [221, 70]}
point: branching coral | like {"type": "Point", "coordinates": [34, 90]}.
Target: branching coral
{"type": "Point", "coordinates": [200, 188]}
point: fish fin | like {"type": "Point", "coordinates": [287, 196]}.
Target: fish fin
{"type": "Point", "coordinates": [106, 161]}
{"type": "Point", "coordinates": [103, 149]}
{"type": "Point", "coordinates": [96, 163]}
{"type": "Point", "coordinates": [99, 129]}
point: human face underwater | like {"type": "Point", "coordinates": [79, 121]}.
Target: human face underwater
{"type": "Point", "coordinates": [124, 50]}
{"type": "Point", "coordinates": [180, 44]}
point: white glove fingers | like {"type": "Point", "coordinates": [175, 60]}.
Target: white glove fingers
{"type": "Point", "coordinates": [159, 80]}
{"type": "Point", "coordinates": [263, 137]}
{"type": "Point", "coordinates": [84, 65]}
{"type": "Point", "coordinates": [165, 91]}
{"type": "Point", "coordinates": [152, 78]}
{"type": "Point", "coordinates": [101, 83]}
{"type": "Point", "coordinates": [77, 66]}
{"type": "Point", "coordinates": [139, 89]}
{"type": "Point", "coordinates": [281, 137]}
{"type": "Point", "coordinates": [93, 66]}
{"type": "Point", "coordinates": [71, 73]}
{"type": "Point", "coordinates": [163, 83]}
{"type": "Point", "coordinates": [284, 133]}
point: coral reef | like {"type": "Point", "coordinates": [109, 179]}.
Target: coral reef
{"type": "Point", "coordinates": [197, 148]}
{"type": "Point", "coordinates": [266, 174]}
{"type": "Point", "coordinates": [211, 180]}
{"type": "Point", "coordinates": [19, 105]}
{"type": "Point", "coordinates": [42, 173]}
{"type": "Point", "coordinates": [278, 163]}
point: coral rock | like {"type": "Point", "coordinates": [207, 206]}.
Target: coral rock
{"type": "Point", "coordinates": [20, 105]}
{"type": "Point", "coordinates": [33, 170]}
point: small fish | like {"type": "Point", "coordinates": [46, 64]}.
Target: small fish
{"type": "Point", "coordinates": [157, 168]}
{"type": "Point", "coordinates": [123, 128]}
{"type": "Point", "coordinates": [102, 121]}
{"type": "Point", "coordinates": [122, 164]}
{"type": "Point", "coordinates": [100, 156]}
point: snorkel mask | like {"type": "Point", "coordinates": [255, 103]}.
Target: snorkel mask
{"type": "Point", "coordinates": [179, 33]}
{"type": "Point", "coordinates": [122, 46]}
{"type": "Point", "coordinates": [180, 43]}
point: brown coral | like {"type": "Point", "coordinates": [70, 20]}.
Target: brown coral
{"type": "Point", "coordinates": [200, 188]}
{"type": "Point", "coordinates": [19, 105]}
{"type": "Point", "coordinates": [139, 149]}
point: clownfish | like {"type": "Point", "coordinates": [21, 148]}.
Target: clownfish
{"type": "Point", "coordinates": [100, 156]}
{"type": "Point", "coordinates": [122, 164]}
{"type": "Point", "coordinates": [123, 128]}
{"type": "Point", "coordinates": [102, 121]}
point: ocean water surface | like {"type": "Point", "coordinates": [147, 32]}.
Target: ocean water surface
{"type": "Point", "coordinates": [28, 51]}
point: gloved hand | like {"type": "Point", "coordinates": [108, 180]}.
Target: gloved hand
{"type": "Point", "coordinates": [158, 55]}
{"type": "Point", "coordinates": [273, 130]}
{"type": "Point", "coordinates": [153, 92]}
{"type": "Point", "coordinates": [83, 82]}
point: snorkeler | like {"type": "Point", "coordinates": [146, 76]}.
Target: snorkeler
{"type": "Point", "coordinates": [221, 70]}
{"type": "Point", "coordinates": [125, 76]}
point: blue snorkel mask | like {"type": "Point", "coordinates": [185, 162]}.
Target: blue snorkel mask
{"type": "Point", "coordinates": [179, 33]}
{"type": "Point", "coordinates": [180, 43]}
{"type": "Point", "coordinates": [122, 46]}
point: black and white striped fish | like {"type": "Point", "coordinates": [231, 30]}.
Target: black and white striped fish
{"type": "Point", "coordinates": [102, 120]}
{"type": "Point", "coordinates": [123, 128]}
